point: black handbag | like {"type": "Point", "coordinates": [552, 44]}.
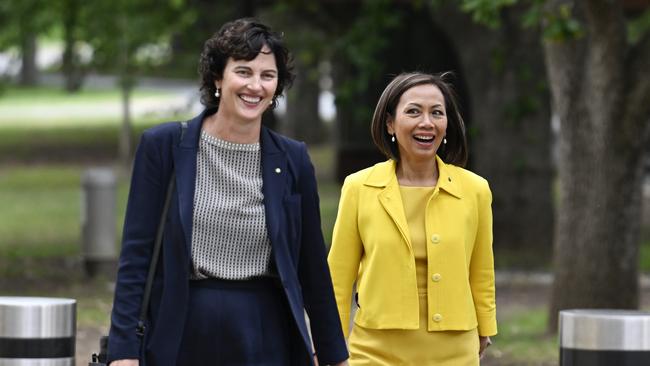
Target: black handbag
{"type": "Point", "coordinates": [99, 359]}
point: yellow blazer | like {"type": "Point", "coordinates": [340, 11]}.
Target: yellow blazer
{"type": "Point", "coordinates": [371, 245]}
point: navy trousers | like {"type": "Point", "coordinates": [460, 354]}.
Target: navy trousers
{"type": "Point", "coordinates": [238, 323]}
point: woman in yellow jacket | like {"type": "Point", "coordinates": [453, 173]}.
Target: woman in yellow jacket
{"type": "Point", "coordinates": [415, 235]}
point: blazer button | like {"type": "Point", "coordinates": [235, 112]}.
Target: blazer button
{"type": "Point", "coordinates": [436, 277]}
{"type": "Point", "coordinates": [435, 238]}
{"type": "Point", "coordinates": [437, 318]}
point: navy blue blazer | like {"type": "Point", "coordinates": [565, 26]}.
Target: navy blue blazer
{"type": "Point", "coordinates": [293, 223]}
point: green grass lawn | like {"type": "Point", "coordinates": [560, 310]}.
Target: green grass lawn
{"type": "Point", "coordinates": [522, 339]}
{"type": "Point", "coordinates": [40, 215]}
{"type": "Point", "coordinates": [24, 96]}
{"type": "Point", "coordinates": [49, 124]}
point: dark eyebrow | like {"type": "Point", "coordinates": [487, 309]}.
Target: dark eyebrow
{"type": "Point", "coordinates": [248, 68]}
{"type": "Point", "coordinates": [437, 105]}
{"type": "Point", "coordinates": [413, 104]}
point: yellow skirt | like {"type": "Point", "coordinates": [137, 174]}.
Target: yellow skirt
{"type": "Point", "coordinates": [400, 347]}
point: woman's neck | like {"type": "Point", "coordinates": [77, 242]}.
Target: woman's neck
{"type": "Point", "coordinates": [417, 174]}
{"type": "Point", "coordinates": [229, 129]}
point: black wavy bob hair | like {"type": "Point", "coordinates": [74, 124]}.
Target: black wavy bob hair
{"type": "Point", "coordinates": [455, 150]}
{"type": "Point", "coordinates": [242, 39]}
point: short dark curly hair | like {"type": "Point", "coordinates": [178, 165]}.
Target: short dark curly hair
{"type": "Point", "coordinates": [242, 39]}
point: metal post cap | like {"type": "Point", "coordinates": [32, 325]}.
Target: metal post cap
{"type": "Point", "coordinates": [104, 177]}
{"type": "Point", "coordinates": [605, 329]}
{"type": "Point", "coordinates": [37, 317]}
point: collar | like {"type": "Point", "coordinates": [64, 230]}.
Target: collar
{"type": "Point", "coordinates": [268, 142]}
{"type": "Point", "coordinates": [383, 175]}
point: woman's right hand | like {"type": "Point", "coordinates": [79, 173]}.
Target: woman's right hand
{"type": "Point", "coordinates": [129, 362]}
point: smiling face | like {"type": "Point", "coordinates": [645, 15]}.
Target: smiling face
{"type": "Point", "coordinates": [419, 123]}
{"type": "Point", "coordinates": [247, 87]}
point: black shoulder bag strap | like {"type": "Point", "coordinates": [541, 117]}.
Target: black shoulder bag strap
{"type": "Point", "coordinates": [155, 255]}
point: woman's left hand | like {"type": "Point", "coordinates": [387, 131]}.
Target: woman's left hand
{"type": "Point", "coordinates": [484, 343]}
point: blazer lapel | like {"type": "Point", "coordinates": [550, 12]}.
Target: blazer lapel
{"type": "Point", "coordinates": [274, 177]}
{"type": "Point", "coordinates": [185, 167]}
{"type": "Point", "coordinates": [383, 176]}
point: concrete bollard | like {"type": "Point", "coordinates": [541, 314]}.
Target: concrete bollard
{"type": "Point", "coordinates": [603, 337]}
{"type": "Point", "coordinates": [37, 331]}
{"type": "Point", "coordinates": [98, 221]}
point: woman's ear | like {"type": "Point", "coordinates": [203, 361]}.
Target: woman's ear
{"type": "Point", "coordinates": [389, 125]}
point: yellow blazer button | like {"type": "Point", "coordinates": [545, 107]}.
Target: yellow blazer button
{"type": "Point", "coordinates": [437, 318]}
{"type": "Point", "coordinates": [436, 277]}
{"type": "Point", "coordinates": [435, 238]}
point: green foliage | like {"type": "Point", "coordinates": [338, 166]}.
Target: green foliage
{"type": "Point", "coordinates": [363, 45]}
{"type": "Point", "coordinates": [307, 37]}
{"type": "Point", "coordinates": [486, 12]}
{"type": "Point", "coordinates": [364, 42]}
{"type": "Point", "coordinates": [534, 15]}
{"type": "Point", "coordinates": [558, 24]}
{"type": "Point", "coordinates": [561, 25]}
{"type": "Point", "coordinates": [638, 27]}
{"type": "Point", "coordinates": [131, 35]}
{"type": "Point", "coordinates": [23, 18]}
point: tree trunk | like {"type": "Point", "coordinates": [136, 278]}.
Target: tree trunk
{"type": "Point", "coordinates": [28, 70]}
{"type": "Point", "coordinates": [600, 87]}
{"type": "Point", "coordinates": [71, 64]}
{"type": "Point", "coordinates": [126, 131]}
{"type": "Point", "coordinates": [126, 85]}
{"type": "Point", "coordinates": [302, 119]}
{"type": "Point", "coordinates": [509, 130]}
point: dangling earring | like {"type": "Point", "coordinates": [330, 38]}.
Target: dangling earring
{"type": "Point", "coordinates": [444, 141]}
{"type": "Point", "coordinates": [271, 102]}
{"type": "Point", "coordinates": [216, 93]}
{"type": "Point", "coordinates": [392, 138]}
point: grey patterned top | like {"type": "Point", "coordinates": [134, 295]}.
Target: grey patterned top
{"type": "Point", "coordinates": [229, 236]}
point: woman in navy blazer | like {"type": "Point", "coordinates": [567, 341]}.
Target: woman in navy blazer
{"type": "Point", "coordinates": [258, 320]}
